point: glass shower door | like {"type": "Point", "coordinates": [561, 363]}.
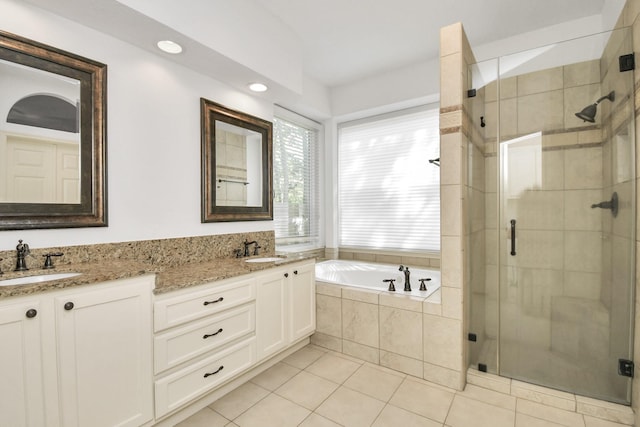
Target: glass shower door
{"type": "Point", "coordinates": [567, 203]}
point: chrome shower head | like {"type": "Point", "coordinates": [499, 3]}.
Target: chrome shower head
{"type": "Point", "coordinates": [588, 113]}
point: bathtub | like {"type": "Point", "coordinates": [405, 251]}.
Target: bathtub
{"type": "Point", "coordinates": [370, 276]}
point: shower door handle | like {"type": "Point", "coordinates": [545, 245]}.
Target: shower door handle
{"type": "Point", "coordinates": [513, 237]}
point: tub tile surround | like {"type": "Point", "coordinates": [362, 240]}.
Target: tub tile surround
{"type": "Point", "coordinates": [400, 332]}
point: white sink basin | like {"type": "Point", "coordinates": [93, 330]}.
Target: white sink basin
{"type": "Point", "coordinates": [265, 259]}
{"type": "Point", "coordinates": [28, 280]}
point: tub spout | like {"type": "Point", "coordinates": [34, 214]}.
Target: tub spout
{"type": "Point", "coordinates": [407, 278]}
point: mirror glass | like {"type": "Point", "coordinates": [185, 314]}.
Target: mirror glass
{"type": "Point", "coordinates": [52, 137]}
{"type": "Point", "coordinates": [236, 165]}
{"type": "Point", "coordinates": [40, 136]}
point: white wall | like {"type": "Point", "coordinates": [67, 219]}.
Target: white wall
{"type": "Point", "coordinates": [153, 131]}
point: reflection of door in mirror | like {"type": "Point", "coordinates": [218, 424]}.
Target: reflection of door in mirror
{"type": "Point", "coordinates": [40, 171]}
{"type": "Point", "coordinates": [39, 136]}
{"type": "Point", "coordinates": [238, 166]}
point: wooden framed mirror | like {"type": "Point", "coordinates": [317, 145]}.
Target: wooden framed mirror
{"type": "Point", "coordinates": [52, 137]}
{"type": "Point", "coordinates": [236, 165]}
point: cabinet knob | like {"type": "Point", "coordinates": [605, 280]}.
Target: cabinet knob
{"type": "Point", "coordinates": [68, 306]}
{"type": "Point", "coordinates": [295, 272]}
{"type": "Point", "coordinates": [286, 274]}
{"type": "Point", "coordinates": [31, 313]}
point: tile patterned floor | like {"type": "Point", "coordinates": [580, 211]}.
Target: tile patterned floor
{"type": "Point", "coordinates": [315, 387]}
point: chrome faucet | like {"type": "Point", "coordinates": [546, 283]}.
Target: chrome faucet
{"type": "Point", "coordinates": [407, 274]}
{"type": "Point", "coordinates": [22, 251]}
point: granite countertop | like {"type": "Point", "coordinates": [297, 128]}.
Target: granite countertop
{"type": "Point", "coordinates": [167, 278]}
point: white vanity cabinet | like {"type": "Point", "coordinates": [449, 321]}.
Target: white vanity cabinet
{"type": "Point", "coordinates": [104, 354]}
{"type": "Point", "coordinates": [78, 357]}
{"type": "Point", "coordinates": [285, 307]}
{"type": "Point", "coordinates": [204, 337]}
{"type": "Point", "coordinates": [21, 364]}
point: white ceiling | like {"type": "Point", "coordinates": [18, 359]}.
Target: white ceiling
{"type": "Point", "coordinates": [346, 40]}
{"type": "Point", "coordinates": [335, 42]}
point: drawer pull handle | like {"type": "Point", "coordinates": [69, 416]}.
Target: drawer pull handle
{"type": "Point", "coordinates": [214, 301]}
{"type": "Point", "coordinates": [208, 374]}
{"type": "Point", "coordinates": [204, 337]}
{"type": "Point", "coordinates": [31, 313]}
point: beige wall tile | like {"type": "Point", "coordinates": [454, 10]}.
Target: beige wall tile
{"type": "Point", "coordinates": [451, 119]}
{"type": "Point", "coordinates": [489, 381]}
{"type": "Point", "coordinates": [541, 210]}
{"type": "Point", "coordinates": [451, 80]}
{"type": "Point", "coordinates": [451, 210]}
{"type": "Point", "coordinates": [451, 39]}
{"type": "Point", "coordinates": [508, 87]}
{"type": "Point", "coordinates": [583, 251]}
{"type": "Point", "coordinates": [404, 302]}
{"type": "Point", "coordinates": [328, 289]}
{"type": "Point", "coordinates": [452, 303]}
{"type": "Point", "coordinates": [609, 411]}
{"type": "Point", "coordinates": [583, 168]}
{"type": "Point", "coordinates": [362, 295]}
{"type": "Point", "coordinates": [563, 139]}
{"type": "Point", "coordinates": [509, 114]}
{"type": "Point", "coordinates": [401, 363]}
{"type": "Point", "coordinates": [553, 170]}
{"type": "Point", "coordinates": [578, 214]}
{"type": "Point", "coordinates": [450, 158]}
{"type": "Point", "coordinates": [443, 342]}
{"type": "Point", "coordinates": [360, 322]}
{"type": "Point", "coordinates": [361, 351]}
{"type": "Point", "coordinates": [452, 262]}
{"type": "Point", "coordinates": [546, 396]}
{"type": "Point", "coordinates": [443, 376]}
{"type": "Point", "coordinates": [540, 249]}
{"type": "Point", "coordinates": [327, 341]}
{"type": "Point", "coordinates": [540, 112]}
{"type": "Point", "coordinates": [540, 81]}
{"type": "Point", "coordinates": [329, 315]}
{"type": "Point", "coordinates": [401, 332]}
{"type": "Point", "coordinates": [579, 284]}
{"type": "Point", "coordinates": [389, 259]}
{"type": "Point", "coordinates": [582, 73]}
{"type": "Point", "coordinates": [590, 136]}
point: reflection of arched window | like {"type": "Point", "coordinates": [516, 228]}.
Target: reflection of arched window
{"type": "Point", "coordinates": [45, 111]}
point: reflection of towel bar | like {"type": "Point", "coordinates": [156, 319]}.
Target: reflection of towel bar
{"type": "Point", "coordinates": [232, 181]}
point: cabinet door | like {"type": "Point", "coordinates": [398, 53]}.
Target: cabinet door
{"type": "Point", "coordinates": [271, 312]}
{"type": "Point", "coordinates": [302, 301]}
{"type": "Point", "coordinates": [21, 384]}
{"type": "Point", "coordinates": [104, 351]}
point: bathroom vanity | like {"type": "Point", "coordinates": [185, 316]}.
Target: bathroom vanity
{"type": "Point", "coordinates": [139, 350]}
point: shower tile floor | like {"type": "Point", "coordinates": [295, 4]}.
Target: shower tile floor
{"type": "Point", "coordinates": [315, 387]}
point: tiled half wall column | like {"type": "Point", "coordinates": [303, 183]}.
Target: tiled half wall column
{"type": "Point", "coordinates": [455, 58]}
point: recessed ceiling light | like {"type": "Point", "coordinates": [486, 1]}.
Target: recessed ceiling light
{"type": "Point", "coordinates": [169, 46]}
{"type": "Point", "coordinates": [258, 87]}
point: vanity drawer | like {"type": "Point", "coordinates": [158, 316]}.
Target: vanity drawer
{"type": "Point", "coordinates": [182, 387]}
{"type": "Point", "coordinates": [194, 305]}
{"type": "Point", "coordinates": [176, 346]}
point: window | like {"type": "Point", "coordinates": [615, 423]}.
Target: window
{"type": "Point", "coordinates": [296, 183]}
{"type": "Point", "coordinates": [388, 192]}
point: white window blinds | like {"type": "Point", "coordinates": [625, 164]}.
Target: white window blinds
{"type": "Point", "coordinates": [296, 183]}
{"type": "Point", "coordinates": [389, 193]}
